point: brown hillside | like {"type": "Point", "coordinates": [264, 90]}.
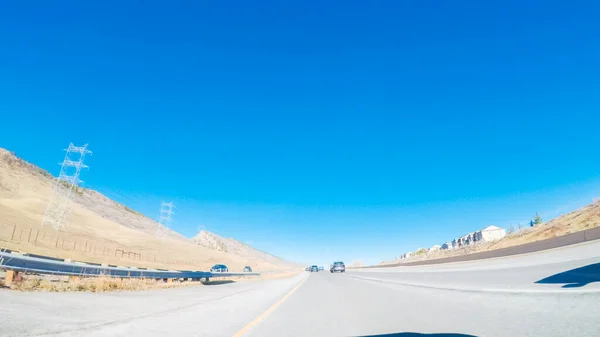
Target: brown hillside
{"type": "Point", "coordinates": [102, 230]}
{"type": "Point", "coordinates": [232, 246]}
{"type": "Point", "coordinates": [581, 219]}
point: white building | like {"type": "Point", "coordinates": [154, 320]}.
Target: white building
{"type": "Point", "coordinates": [435, 248]}
{"type": "Point", "coordinates": [490, 233]}
{"type": "Point", "coordinates": [465, 240]}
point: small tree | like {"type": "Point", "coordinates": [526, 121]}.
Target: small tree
{"type": "Point", "coordinates": [519, 227]}
{"type": "Point", "coordinates": [421, 251]}
{"type": "Point", "coordinates": [510, 230]}
{"type": "Point", "coordinates": [537, 220]}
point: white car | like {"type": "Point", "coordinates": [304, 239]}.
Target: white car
{"type": "Point", "coordinates": [338, 267]}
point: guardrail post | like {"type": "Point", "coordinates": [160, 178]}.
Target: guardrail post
{"type": "Point", "coordinates": [10, 276]}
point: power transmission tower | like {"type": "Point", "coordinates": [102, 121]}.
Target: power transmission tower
{"type": "Point", "coordinates": [59, 205]}
{"type": "Point", "coordinates": [166, 210]}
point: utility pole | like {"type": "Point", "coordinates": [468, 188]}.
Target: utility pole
{"type": "Point", "coordinates": [59, 205]}
{"type": "Point", "coordinates": [164, 221]}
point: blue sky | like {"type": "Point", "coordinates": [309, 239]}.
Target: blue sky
{"type": "Point", "coordinates": [317, 132]}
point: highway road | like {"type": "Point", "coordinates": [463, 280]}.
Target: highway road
{"type": "Point", "coordinates": [551, 293]}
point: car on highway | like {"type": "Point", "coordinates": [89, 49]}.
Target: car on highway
{"type": "Point", "coordinates": [321, 268]}
{"type": "Point", "coordinates": [219, 268]}
{"type": "Point", "coordinates": [314, 268]}
{"type": "Point", "coordinates": [247, 269]}
{"type": "Point", "coordinates": [338, 267]}
{"type": "Point", "coordinates": [307, 268]}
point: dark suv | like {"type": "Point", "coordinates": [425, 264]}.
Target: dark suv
{"type": "Point", "coordinates": [338, 266]}
{"type": "Point", "coordinates": [314, 268]}
{"type": "Point", "coordinates": [219, 268]}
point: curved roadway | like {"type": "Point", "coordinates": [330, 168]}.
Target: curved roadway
{"type": "Point", "coordinates": [550, 293]}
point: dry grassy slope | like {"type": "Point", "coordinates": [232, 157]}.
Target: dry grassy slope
{"type": "Point", "coordinates": [24, 193]}
{"type": "Point", "coordinates": [121, 214]}
{"type": "Point", "coordinates": [581, 219]}
{"type": "Point", "coordinates": [214, 241]}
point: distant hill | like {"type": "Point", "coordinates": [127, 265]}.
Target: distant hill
{"type": "Point", "coordinates": [96, 219]}
{"type": "Point", "coordinates": [581, 219]}
{"type": "Point", "coordinates": [356, 263]}
{"type": "Point", "coordinates": [232, 246]}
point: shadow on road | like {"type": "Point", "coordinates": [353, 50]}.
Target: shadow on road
{"type": "Point", "coordinates": [217, 282]}
{"type": "Point", "coordinates": [416, 334]}
{"type": "Point", "coordinates": [575, 278]}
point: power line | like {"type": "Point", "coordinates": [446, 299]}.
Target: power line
{"type": "Point", "coordinates": [59, 205]}
{"type": "Point", "coordinates": [164, 221]}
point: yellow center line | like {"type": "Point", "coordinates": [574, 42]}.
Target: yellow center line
{"type": "Point", "coordinates": [267, 312]}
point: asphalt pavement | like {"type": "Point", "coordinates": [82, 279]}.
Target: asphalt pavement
{"type": "Point", "coordinates": [341, 305]}
{"type": "Point", "coordinates": [551, 293]}
{"type": "Point", "coordinates": [203, 310]}
{"type": "Point", "coordinates": [557, 278]}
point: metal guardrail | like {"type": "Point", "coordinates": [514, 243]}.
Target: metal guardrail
{"type": "Point", "coordinates": [41, 265]}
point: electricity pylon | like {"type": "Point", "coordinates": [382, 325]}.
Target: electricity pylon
{"type": "Point", "coordinates": [164, 221]}
{"type": "Point", "coordinates": [59, 205]}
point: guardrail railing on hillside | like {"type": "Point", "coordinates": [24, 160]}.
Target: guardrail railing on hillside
{"type": "Point", "coordinates": [14, 262]}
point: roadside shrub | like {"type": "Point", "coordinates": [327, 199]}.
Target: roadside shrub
{"type": "Point", "coordinates": [421, 251]}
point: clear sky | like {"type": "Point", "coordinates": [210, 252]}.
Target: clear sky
{"type": "Point", "coordinates": [315, 130]}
